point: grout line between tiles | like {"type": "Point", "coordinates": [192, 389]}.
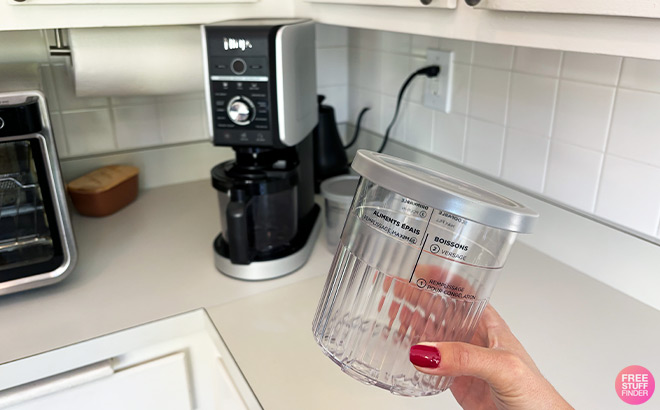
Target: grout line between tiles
{"type": "Point", "coordinates": [599, 180]}
{"type": "Point", "coordinates": [132, 150]}
{"type": "Point", "coordinates": [507, 112]}
{"type": "Point", "coordinates": [49, 73]}
{"type": "Point", "coordinates": [552, 123]}
{"type": "Point", "coordinates": [548, 156]}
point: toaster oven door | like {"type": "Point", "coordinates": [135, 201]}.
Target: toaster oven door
{"type": "Point", "coordinates": [31, 235]}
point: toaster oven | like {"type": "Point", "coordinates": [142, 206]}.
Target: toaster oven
{"type": "Point", "coordinates": [36, 240]}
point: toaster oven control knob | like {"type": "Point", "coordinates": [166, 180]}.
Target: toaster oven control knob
{"type": "Point", "coordinates": [241, 110]}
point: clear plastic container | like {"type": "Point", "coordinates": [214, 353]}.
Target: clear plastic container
{"type": "Point", "coordinates": [417, 261]}
{"type": "Point", "coordinates": [338, 193]}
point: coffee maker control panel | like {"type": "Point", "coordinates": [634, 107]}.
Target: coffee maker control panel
{"type": "Point", "coordinates": [260, 81]}
{"type": "Point", "coordinates": [240, 101]}
{"type": "Point", "coordinates": [241, 85]}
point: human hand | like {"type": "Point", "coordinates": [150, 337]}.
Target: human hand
{"type": "Point", "coordinates": [426, 314]}
{"type": "Point", "coordinates": [492, 372]}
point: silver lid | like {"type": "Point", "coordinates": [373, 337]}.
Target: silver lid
{"type": "Point", "coordinates": [444, 192]}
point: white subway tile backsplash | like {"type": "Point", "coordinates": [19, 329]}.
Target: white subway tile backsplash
{"type": "Point", "coordinates": [630, 194]}
{"type": "Point", "coordinates": [635, 129]}
{"type": "Point", "coordinates": [337, 97]}
{"type": "Point", "coordinates": [484, 143]}
{"type": "Point", "coordinates": [419, 128]}
{"type": "Point", "coordinates": [133, 100]}
{"type": "Point", "coordinates": [506, 101]}
{"type": "Point", "coordinates": [196, 95]}
{"type": "Point", "coordinates": [462, 49]}
{"type": "Point", "coordinates": [395, 70]}
{"type": "Point", "coordinates": [365, 98]}
{"type": "Point", "coordinates": [331, 66]}
{"type": "Point", "coordinates": [489, 90]}
{"type": "Point", "coordinates": [640, 74]}
{"type": "Point", "coordinates": [89, 132]}
{"type": "Point", "coordinates": [181, 120]}
{"type": "Point", "coordinates": [493, 56]}
{"type": "Point", "coordinates": [422, 43]}
{"type": "Point", "coordinates": [22, 47]}
{"type": "Point", "coordinates": [395, 42]}
{"type": "Point", "coordinates": [354, 66]}
{"type": "Point", "coordinates": [582, 115]}
{"type": "Point", "coordinates": [46, 73]}
{"type": "Point", "coordinates": [371, 69]}
{"type": "Point", "coordinates": [60, 136]}
{"type": "Point", "coordinates": [537, 61]}
{"type": "Point", "coordinates": [540, 119]}
{"type": "Point", "coordinates": [20, 76]}
{"type": "Point", "coordinates": [531, 103]}
{"type": "Point", "coordinates": [592, 68]}
{"type": "Point", "coordinates": [449, 135]}
{"type": "Point", "coordinates": [136, 126]}
{"type": "Point", "coordinates": [524, 161]}
{"type": "Point", "coordinates": [365, 39]}
{"type": "Point", "coordinates": [331, 36]}
{"type": "Point", "coordinates": [461, 88]}
{"type": "Point", "coordinates": [572, 175]}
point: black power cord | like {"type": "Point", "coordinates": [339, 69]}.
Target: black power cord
{"type": "Point", "coordinates": [357, 128]}
{"type": "Point", "coordinates": [429, 71]}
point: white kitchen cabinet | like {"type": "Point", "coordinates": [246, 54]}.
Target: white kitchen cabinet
{"type": "Point", "coordinates": [178, 363]}
{"type": "Point", "coordinates": [588, 26]}
{"type": "Point", "coordinates": [445, 4]}
{"type": "Point", "coordinates": [636, 8]}
{"type": "Point", "coordinates": [44, 14]}
{"type": "Point", "coordinates": [52, 2]}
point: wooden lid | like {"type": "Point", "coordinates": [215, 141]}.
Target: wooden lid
{"type": "Point", "coordinates": [102, 179]}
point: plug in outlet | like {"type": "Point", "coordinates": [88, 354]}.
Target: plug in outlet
{"type": "Point", "coordinates": [438, 90]}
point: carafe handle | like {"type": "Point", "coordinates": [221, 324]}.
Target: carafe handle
{"type": "Point", "coordinates": [238, 235]}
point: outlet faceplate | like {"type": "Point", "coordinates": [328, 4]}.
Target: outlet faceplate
{"type": "Point", "coordinates": [438, 90]}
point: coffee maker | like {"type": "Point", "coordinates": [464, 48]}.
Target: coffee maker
{"type": "Point", "coordinates": [261, 101]}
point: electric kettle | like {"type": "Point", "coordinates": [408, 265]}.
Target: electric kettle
{"type": "Point", "coordinates": [329, 155]}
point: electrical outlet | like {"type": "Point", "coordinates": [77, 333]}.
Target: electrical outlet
{"type": "Point", "coordinates": [438, 90]}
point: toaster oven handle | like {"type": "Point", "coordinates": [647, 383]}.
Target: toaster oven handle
{"type": "Point", "coordinates": [238, 235]}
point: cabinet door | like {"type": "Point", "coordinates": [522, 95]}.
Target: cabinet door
{"type": "Point", "coordinates": [177, 363]}
{"type": "Point", "coordinates": [443, 4]}
{"type": "Point", "coordinates": [633, 8]}
{"type": "Point", "coordinates": [159, 384]}
{"type": "Point", "coordinates": [49, 2]}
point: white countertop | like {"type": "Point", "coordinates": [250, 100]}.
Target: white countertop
{"type": "Point", "coordinates": [150, 260]}
{"type": "Point", "coordinates": [580, 332]}
{"type": "Point", "coordinates": [154, 259]}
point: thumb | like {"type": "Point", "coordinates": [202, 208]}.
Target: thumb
{"type": "Point", "coordinates": [498, 368]}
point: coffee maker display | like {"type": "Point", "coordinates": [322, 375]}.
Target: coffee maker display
{"type": "Point", "coordinates": [261, 101]}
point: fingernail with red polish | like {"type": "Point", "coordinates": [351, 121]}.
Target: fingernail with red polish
{"type": "Point", "coordinates": [425, 356]}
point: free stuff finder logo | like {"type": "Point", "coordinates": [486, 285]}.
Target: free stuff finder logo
{"type": "Point", "coordinates": [635, 385]}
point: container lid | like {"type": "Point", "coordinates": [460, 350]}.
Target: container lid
{"type": "Point", "coordinates": [340, 188]}
{"type": "Point", "coordinates": [444, 192]}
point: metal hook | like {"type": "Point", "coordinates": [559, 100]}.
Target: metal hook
{"type": "Point", "coordinates": [59, 49]}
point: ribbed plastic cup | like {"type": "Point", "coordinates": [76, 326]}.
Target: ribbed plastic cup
{"type": "Point", "coordinates": [411, 267]}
